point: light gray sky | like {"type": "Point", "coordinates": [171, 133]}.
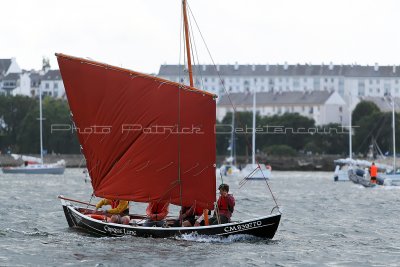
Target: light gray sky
{"type": "Point", "coordinates": [142, 34]}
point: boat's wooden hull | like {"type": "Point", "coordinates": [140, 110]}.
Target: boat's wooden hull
{"type": "Point", "coordinates": [264, 227]}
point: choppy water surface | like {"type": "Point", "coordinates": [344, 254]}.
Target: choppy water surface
{"type": "Point", "coordinates": [324, 224]}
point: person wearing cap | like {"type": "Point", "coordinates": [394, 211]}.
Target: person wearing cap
{"type": "Point", "coordinates": [225, 207]}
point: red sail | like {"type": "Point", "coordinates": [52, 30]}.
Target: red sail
{"type": "Point", "coordinates": [128, 125]}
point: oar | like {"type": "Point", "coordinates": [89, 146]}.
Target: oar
{"type": "Point", "coordinates": [77, 201]}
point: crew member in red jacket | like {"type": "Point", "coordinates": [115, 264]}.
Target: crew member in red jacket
{"type": "Point", "coordinates": [156, 212]}
{"type": "Point", "coordinates": [226, 205]}
{"type": "Point", "coordinates": [188, 215]}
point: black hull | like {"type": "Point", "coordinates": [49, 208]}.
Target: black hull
{"type": "Point", "coordinates": [263, 227]}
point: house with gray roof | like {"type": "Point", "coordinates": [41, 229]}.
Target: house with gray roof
{"type": "Point", "coordinates": [322, 106]}
{"type": "Point", "coordinates": [383, 103]}
{"type": "Point", "coordinates": [52, 85]}
{"type": "Point", "coordinates": [8, 75]}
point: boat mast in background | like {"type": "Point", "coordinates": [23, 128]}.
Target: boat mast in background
{"type": "Point", "coordinates": [41, 124]}
{"type": "Point", "coordinates": [394, 136]}
{"type": "Point", "coordinates": [253, 158]}
{"type": "Point", "coordinates": [350, 130]}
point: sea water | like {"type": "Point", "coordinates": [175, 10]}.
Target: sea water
{"type": "Point", "coordinates": [324, 223]}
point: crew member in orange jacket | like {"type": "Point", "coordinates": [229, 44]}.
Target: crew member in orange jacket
{"type": "Point", "coordinates": [156, 212]}
{"type": "Point", "coordinates": [373, 171]}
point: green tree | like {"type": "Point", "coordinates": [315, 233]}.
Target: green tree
{"type": "Point", "coordinates": [13, 110]}
{"type": "Point", "coordinates": [363, 109]}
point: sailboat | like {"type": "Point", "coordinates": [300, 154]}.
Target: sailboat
{"type": "Point", "coordinates": [229, 167]}
{"type": "Point", "coordinates": [392, 177]}
{"type": "Point", "coordinates": [33, 165]}
{"type": "Point", "coordinates": [256, 171]}
{"type": "Point", "coordinates": [147, 139]}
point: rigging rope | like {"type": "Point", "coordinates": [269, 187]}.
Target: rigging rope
{"type": "Point", "coordinates": [231, 102]}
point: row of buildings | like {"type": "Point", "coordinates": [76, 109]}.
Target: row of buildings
{"type": "Point", "coordinates": [325, 93]}
{"type": "Point", "coordinates": [16, 81]}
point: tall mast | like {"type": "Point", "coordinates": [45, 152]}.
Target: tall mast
{"type": "Point", "coordinates": [187, 39]}
{"type": "Point", "coordinates": [350, 132]}
{"type": "Point", "coordinates": [253, 158]}
{"type": "Point", "coordinates": [41, 124]}
{"type": "Point", "coordinates": [232, 145]}
{"type": "Point", "coordinates": [394, 137]}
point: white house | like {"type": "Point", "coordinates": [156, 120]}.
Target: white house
{"type": "Point", "coordinates": [322, 106]}
{"type": "Point", "coordinates": [52, 85]}
{"type": "Point", "coordinates": [8, 75]}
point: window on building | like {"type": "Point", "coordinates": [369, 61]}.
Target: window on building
{"type": "Point", "coordinates": [332, 80]}
{"type": "Point", "coordinates": [296, 82]}
{"type": "Point", "coordinates": [340, 109]}
{"type": "Point", "coordinates": [55, 85]}
{"type": "Point", "coordinates": [370, 81]}
{"type": "Point", "coordinates": [47, 85]}
{"type": "Point", "coordinates": [317, 84]}
{"type": "Point", "coordinates": [326, 80]}
{"type": "Point", "coordinates": [311, 110]}
{"type": "Point", "coordinates": [361, 88]}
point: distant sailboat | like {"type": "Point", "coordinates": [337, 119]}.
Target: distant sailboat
{"type": "Point", "coordinates": [392, 177]}
{"type": "Point", "coordinates": [228, 168]}
{"type": "Point", "coordinates": [256, 171]}
{"type": "Point", "coordinates": [33, 165]}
